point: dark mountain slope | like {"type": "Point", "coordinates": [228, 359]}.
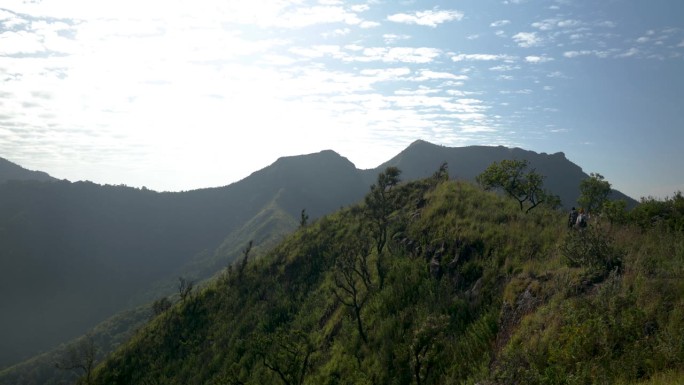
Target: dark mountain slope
{"type": "Point", "coordinates": [76, 253]}
{"type": "Point", "coordinates": [11, 171]}
{"type": "Point", "coordinates": [467, 290]}
{"type": "Point", "coordinates": [421, 159]}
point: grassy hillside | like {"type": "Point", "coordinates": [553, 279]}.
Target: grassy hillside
{"type": "Point", "coordinates": [466, 289]}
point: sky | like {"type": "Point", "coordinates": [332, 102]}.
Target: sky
{"type": "Point", "coordinates": [184, 94]}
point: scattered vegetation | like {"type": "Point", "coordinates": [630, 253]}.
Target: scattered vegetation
{"type": "Point", "coordinates": [432, 282]}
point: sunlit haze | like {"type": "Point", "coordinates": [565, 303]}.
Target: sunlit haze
{"type": "Point", "coordinates": [178, 95]}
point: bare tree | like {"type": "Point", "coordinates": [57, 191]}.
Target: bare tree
{"type": "Point", "coordinates": [353, 284]}
{"type": "Point", "coordinates": [288, 355]}
{"type": "Point", "coordinates": [80, 358]}
{"type": "Point", "coordinates": [184, 288]}
{"type": "Point", "coordinates": [245, 258]}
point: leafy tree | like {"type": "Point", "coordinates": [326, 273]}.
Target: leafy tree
{"type": "Point", "coordinates": [615, 211]}
{"type": "Point", "coordinates": [512, 177]}
{"type": "Point", "coordinates": [594, 193]}
{"type": "Point", "coordinates": [379, 207]}
{"type": "Point", "coordinates": [652, 212]}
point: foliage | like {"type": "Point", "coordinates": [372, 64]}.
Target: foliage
{"type": "Point", "coordinates": [160, 306]}
{"type": "Point", "coordinates": [666, 214]}
{"type": "Point", "coordinates": [615, 211]}
{"type": "Point", "coordinates": [513, 178]}
{"type": "Point", "coordinates": [594, 193]}
{"type": "Point", "coordinates": [594, 250]}
{"type": "Point", "coordinates": [475, 291]}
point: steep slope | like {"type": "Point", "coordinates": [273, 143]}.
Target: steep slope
{"type": "Point", "coordinates": [467, 290]}
{"type": "Point", "coordinates": [75, 253]}
{"type": "Point", "coordinates": [421, 159]}
{"type": "Point", "coordinates": [11, 171]}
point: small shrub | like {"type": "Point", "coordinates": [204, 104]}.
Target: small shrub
{"type": "Point", "coordinates": [594, 250]}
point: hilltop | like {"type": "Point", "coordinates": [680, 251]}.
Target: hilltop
{"type": "Point", "coordinates": [429, 282]}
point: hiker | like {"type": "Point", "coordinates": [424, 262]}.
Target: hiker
{"type": "Point", "coordinates": [572, 218]}
{"type": "Point", "coordinates": [582, 219]}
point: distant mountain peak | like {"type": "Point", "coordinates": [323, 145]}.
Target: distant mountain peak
{"type": "Point", "coordinates": [316, 159]}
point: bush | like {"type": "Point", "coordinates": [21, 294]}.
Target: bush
{"type": "Point", "coordinates": [594, 250]}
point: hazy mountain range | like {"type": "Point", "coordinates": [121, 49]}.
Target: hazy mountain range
{"type": "Point", "coordinates": [75, 253]}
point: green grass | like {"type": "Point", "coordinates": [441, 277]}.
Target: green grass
{"type": "Point", "coordinates": [468, 289]}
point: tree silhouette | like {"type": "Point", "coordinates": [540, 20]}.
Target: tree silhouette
{"type": "Point", "coordinates": [512, 177]}
{"type": "Point", "coordinates": [80, 357]}
{"type": "Point", "coordinates": [353, 283]}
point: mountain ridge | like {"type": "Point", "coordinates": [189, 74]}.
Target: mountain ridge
{"type": "Point", "coordinates": [12, 171]}
{"type": "Point", "coordinates": [191, 233]}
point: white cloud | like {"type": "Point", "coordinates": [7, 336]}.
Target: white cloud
{"type": "Point", "coordinates": [504, 68]}
{"type": "Point", "coordinates": [681, 44]}
{"type": "Point", "coordinates": [419, 55]}
{"type": "Point", "coordinates": [527, 39]}
{"type": "Point", "coordinates": [391, 38]}
{"type": "Point", "coordinates": [629, 53]}
{"type": "Point", "coordinates": [545, 25]}
{"type": "Point", "coordinates": [369, 24]}
{"type": "Point", "coordinates": [304, 17]}
{"type": "Point", "coordinates": [354, 47]}
{"type": "Point", "coordinates": [499, 23]}
{"type": "Point", "coordinates": [385, 74]}
{"type": "Point", "coordinates": [549, 24]}
{"type": "Point", "coordinates": [538, 59]}
{"type": "Point", "coordinates": [360, 8]}
{"type": "Point", "coordinates": [573, 54]}
{"type": "Point", "coordinates": [318, 51]}
{"type": "Point", "coordinates": [336, 33]}
{"type": "Point", "coordinates": [433, 75]}
{"type": "Point", "coordinates": [21, 42]}
{"type": "Point", "coordinates": [603, 54]}
{"type": "Point", "coordinates": [481, 57]}
{"type": "Point", "coordinates": [606, 24]}
{"type": "Point", "coordinates": [569, 23]}
{"type": "Point", "coordinates": [427, 18]}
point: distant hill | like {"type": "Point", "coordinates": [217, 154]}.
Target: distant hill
{"type": "Point", "coordinates": [11, 171]}
{"type": "Point", "coordinates": [75, 254]}
{"type": "Point", "coordinates": [421, 159]}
